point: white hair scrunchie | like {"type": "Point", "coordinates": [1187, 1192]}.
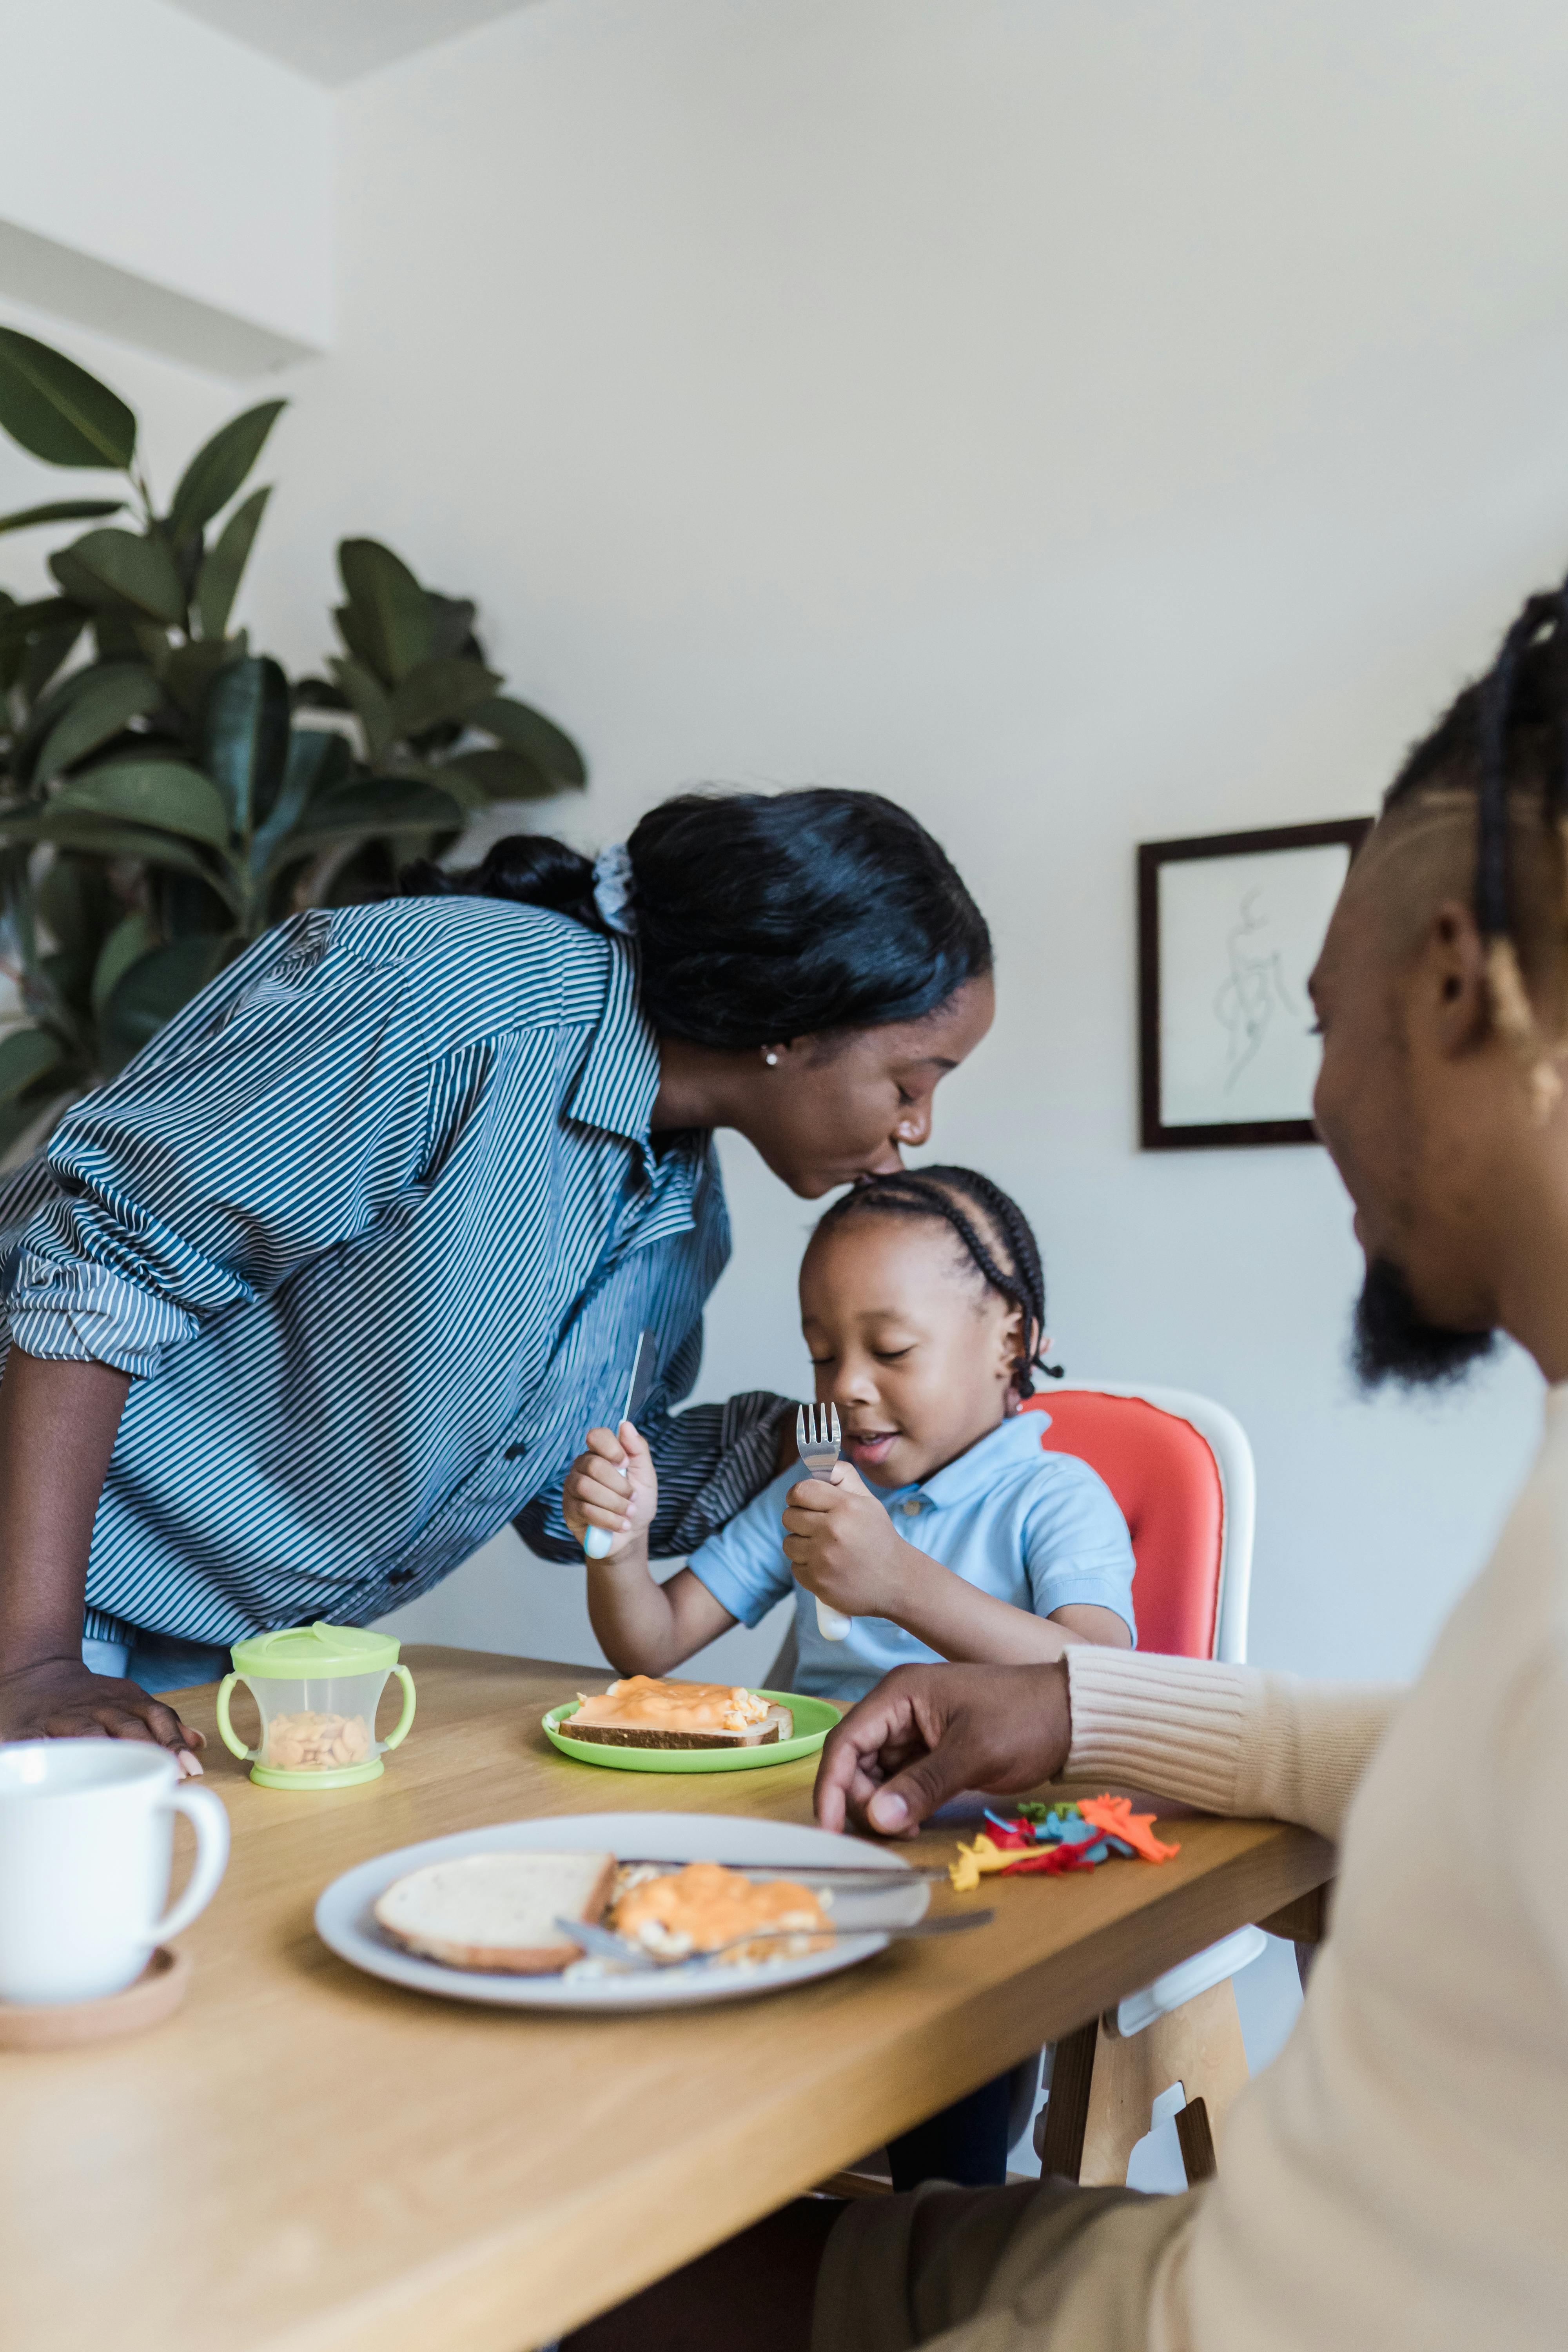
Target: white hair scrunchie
{"type": "Point", "coordinates": [613, 883]}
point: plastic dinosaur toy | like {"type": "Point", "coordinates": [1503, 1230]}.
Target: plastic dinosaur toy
{"type": "Point", "coordinates": [1050, 1840]}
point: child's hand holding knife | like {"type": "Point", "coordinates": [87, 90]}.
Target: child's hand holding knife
{"type": "Point", "coordinates": [612, 1489]}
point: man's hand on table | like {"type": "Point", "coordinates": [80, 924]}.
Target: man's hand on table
{"type": "Point", "coordinates": [927, 1732]}
{"type": "Point", "coordinates": [59, 1699]}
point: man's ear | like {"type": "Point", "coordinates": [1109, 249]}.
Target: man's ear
{"type": "Point", "coordinates": [1451, 991]}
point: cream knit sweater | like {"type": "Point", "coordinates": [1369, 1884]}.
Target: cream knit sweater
{"type": "Point", "coordinates": [1397, 2180]}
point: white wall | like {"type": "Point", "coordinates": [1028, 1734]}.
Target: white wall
{"type": "Point", "coordinates": [1087, 426]}
{"type": "Point", "coordinates": [158, 180]}
{"type": "Point", "coordinates": [1084, 425]}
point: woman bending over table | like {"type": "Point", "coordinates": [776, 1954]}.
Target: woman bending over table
{"type": "Point", "coordinates": [323, 1290]}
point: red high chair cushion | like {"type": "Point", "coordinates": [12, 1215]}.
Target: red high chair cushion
{"type": "Point", "coordinates": [1166, 1485]}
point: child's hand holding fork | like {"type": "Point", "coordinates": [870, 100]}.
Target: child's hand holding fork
{"type": "Point", "coordinates": [844, 1547]}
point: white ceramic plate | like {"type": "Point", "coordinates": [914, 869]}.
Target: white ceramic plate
{"type": "Point", "coordinates": [346, 1923]}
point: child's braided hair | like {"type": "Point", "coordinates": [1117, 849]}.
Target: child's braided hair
{"type": "Point", "coordinates": [1507, 733]}
{"type": "Point", "coordinates": [953, 1193]}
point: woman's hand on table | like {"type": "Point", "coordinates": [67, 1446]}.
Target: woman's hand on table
{"type": "Point", "coordinates": [926, 1733]}
{"type": "Point", "coordinates": [612, 1484]}
{"type": "Point", "coordinates": [59, 1699]}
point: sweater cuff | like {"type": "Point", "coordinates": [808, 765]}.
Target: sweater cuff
{"type": "Point", "coordinates": [1232, 1739]}
{"type": "Point", "coordinates": [1175, 1724]}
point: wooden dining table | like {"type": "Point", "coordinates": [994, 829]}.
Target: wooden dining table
{"type": "Point", "coordinates": [305, 2158]}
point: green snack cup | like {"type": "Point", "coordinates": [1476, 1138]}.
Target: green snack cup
{"type": "Point", "coordinates": [318, 1687]}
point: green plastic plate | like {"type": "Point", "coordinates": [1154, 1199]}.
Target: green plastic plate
{"type": "Point", "coordinates": [813, 1719]}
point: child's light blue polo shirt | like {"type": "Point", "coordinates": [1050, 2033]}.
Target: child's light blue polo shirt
{"type": "Point", "coordinates": [1037, 1529]}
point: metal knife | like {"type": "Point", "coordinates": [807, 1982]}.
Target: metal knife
{"type": "Point", "coordinates": [596, 1541]}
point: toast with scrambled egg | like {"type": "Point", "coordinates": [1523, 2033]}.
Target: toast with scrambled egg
{"type": "Point", "coordinates": [643, 1712]}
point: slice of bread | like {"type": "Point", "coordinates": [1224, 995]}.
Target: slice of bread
{"type": "Point", "coordinates": [778, 1723]}
{"type": "Point", "coordinates": [497, 1911]}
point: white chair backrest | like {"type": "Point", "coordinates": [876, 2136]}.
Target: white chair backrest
{"type": "Point", "coordinates": [1228, 1442]}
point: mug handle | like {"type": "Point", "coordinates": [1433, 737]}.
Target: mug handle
{"type": "Point", "coordinates": [207, 1814]}
{"type": "Point", "coordinates": [400, 1731]}
{"type": "Point", "coordinates": [226, 1730]}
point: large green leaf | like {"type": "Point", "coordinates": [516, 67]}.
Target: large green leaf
{"type": "Point", "coordinates": [46, 653]}
{"type": "Point", "coordinates": [158, 792]}
{"type": "Point", "coordinates": [372, 808]}
{"type": "Point", "coordinates": [392, 608]}
{"type": "Point", "coordinates": [218, 584]}
{"type": "Point", "coordinates": [186, 909]}
{"type": "Point", "coordinates": [216, 471]}
{"type": "Point", "coordinates": [469, 795]}
{"type": "Point", "coordinates": [26, 1056]}
{"type": "Point", "coordinates": [319, 763]}
{"type": "Point", "coordinates": [20, 622]}
{"type": "Point", "coordinates": [112, 695]}
{"type": "Point", "coordinates": [189, 670]}
{"type": "Point", "coordinates": [153, 990]}
{"type": "Point", "coordinates": [369, 702]}
{"type": "Point", "coordinates": [245, 738]}
{"type": "Point", "coordinates": [121, 634]}
{"type": "Point", "coordinates": [121, 567]}
{"type": "Point", "coordinates": [63, 510]}
{"type": "Point", "coordinates": [83, 836]}
{"type": "Point", "coordinates": [529, 731]}
{"type": "Point", "coordinates": [77, 903]}
{"type": "Point", "coordinates": [49, 708]}
{"type": "Point", "coordinates": [452, 625]}
{"type": "Point", "coordinates": [504, 775]}
{"type": "Point", "coordinates": [127, 943]}
{"type": "Point", "coordinates": [81, 910]}
{"type": "Point", "coordinates": [438, 689]}
{"type": "Point", "coordinates": [60, 412]}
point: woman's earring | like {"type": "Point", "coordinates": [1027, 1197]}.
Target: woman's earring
{"type": "Point", "coordinates": [771, 1058]}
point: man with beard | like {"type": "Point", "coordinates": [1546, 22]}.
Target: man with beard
{"type": "Point", "coordinates": [1397, 2181]}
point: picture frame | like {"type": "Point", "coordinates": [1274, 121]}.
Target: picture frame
{"type": "Point", "coordinates": [1229, 925]}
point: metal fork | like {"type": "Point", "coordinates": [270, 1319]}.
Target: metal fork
{"type": "Point", "coordinates": [817, 1441]}
{"type": "Point", "coordinates": [602, 1942]}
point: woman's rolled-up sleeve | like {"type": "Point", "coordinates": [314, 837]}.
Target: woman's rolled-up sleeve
{"type": "Point", "coordinates": [280, 1116]}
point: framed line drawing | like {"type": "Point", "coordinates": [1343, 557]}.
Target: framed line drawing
{"type": "Point", "coordinates": [1229, 927]}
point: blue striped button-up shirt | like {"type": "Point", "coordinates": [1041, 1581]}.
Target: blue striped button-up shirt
{"type": "Point", "coordinates": [374, 1222]}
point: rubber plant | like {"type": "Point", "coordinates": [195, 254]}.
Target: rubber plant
{"type": "Point", "coordinates": [166, 795]}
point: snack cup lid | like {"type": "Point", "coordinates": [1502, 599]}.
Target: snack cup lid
{"type": "Point", "coordinates": [300, 1653]}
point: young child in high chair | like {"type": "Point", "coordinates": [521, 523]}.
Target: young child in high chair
{"type": "Point", "coordinates": [946, 1531]}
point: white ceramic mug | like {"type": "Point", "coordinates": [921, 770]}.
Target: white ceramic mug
{"type": "Point", "coordinates": [86, 1836]}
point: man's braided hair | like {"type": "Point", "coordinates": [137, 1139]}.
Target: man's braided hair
{"type": "Point", "coordinates": [1507, 734]}
{"type": "Point", "coordinates": [1007, 1258]}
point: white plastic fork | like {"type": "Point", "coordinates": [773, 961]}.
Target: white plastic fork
{"type": "Point", "coordinates": [817, 1441]}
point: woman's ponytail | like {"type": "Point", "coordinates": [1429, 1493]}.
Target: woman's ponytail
{"type": "Point", "coordinates": [531, 868]}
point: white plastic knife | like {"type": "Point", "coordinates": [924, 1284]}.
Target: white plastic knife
{"type": "Point", "coordinates": [596, 1541]}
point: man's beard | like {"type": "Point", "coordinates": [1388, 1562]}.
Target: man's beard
{"type": "Point", "coordinates": [1393, 1341]}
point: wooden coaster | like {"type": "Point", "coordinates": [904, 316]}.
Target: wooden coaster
{"type": "Point", "coordinates": [59, 2025]}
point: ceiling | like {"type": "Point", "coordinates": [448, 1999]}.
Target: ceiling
{"type": "Point", "coordinates": [335, 41]}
